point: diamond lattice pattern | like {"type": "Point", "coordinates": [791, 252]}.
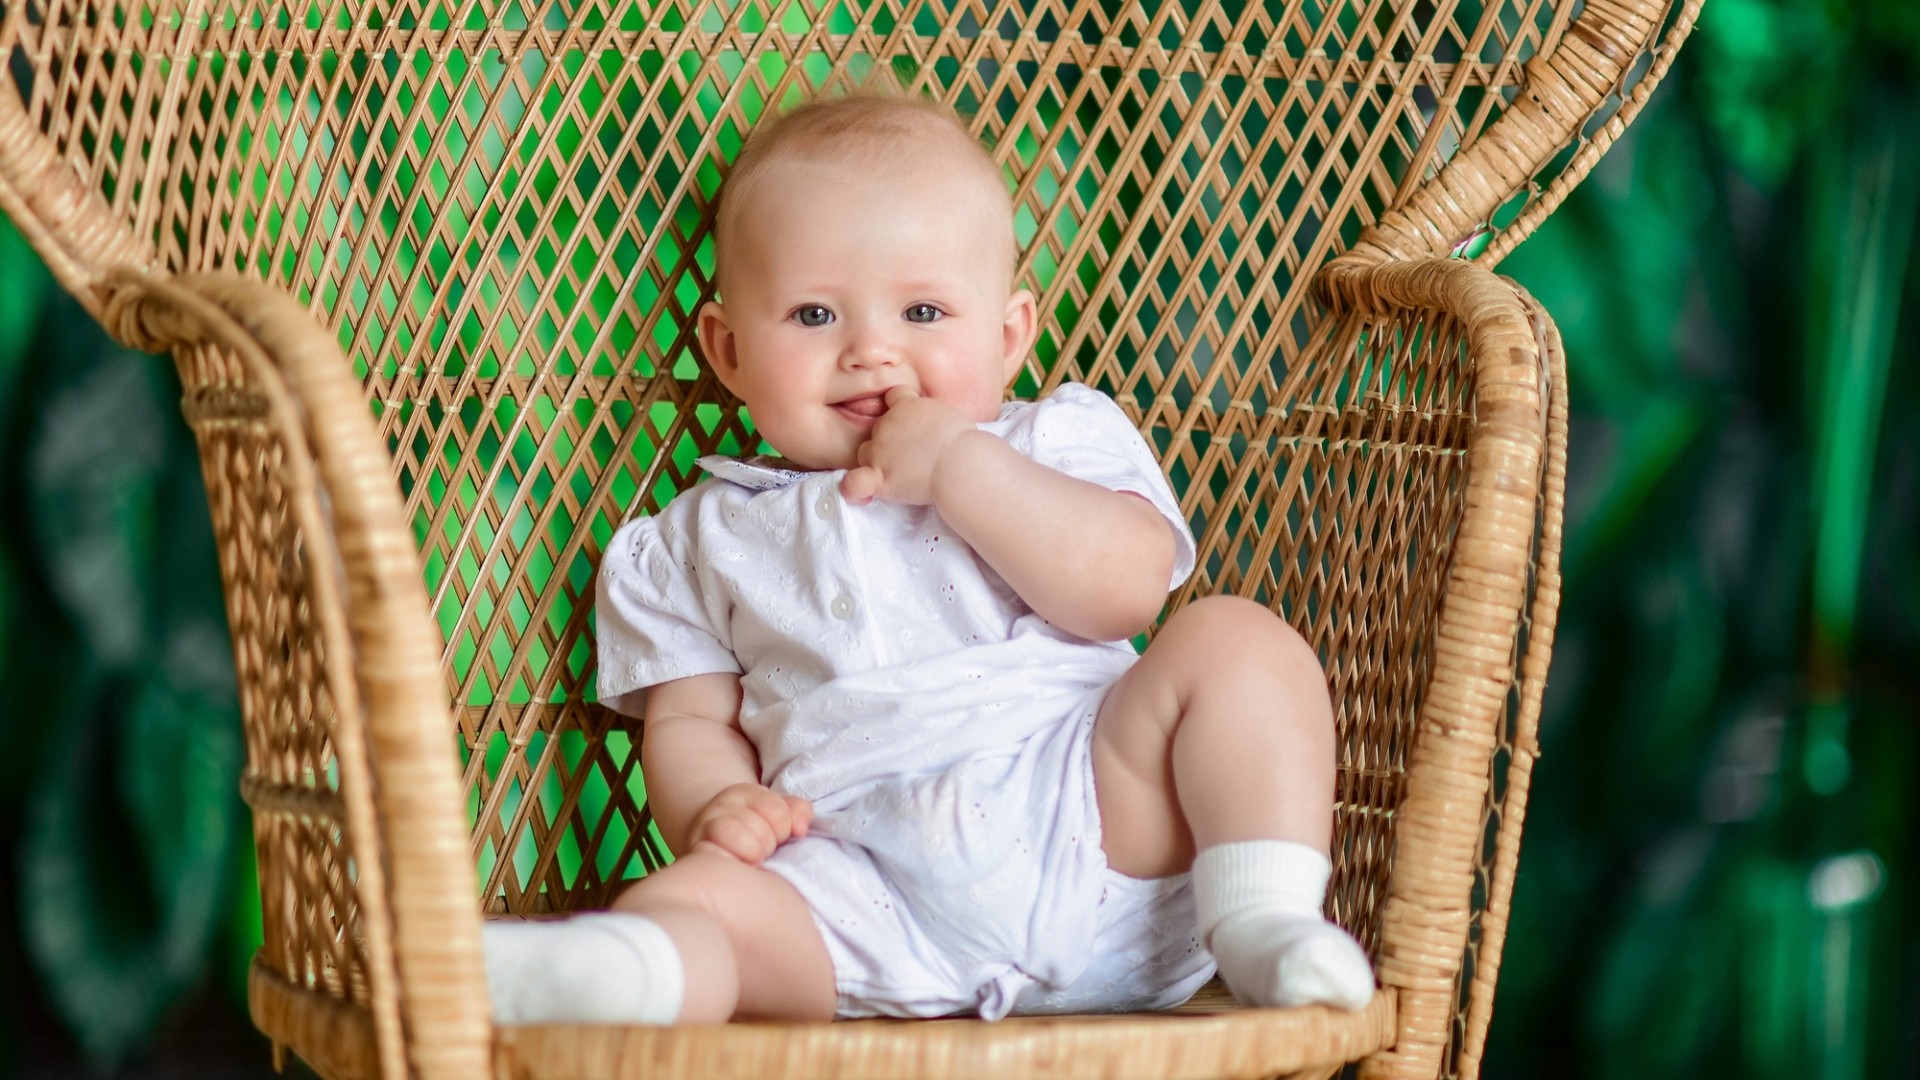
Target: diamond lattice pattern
{"type": "Point", "coordinates": [502, 208]}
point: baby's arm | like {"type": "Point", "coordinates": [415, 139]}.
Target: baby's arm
{"type": "Point", "coordinates": [703, 776]}
{"type": "Point", "coordinates": [1088, 559]}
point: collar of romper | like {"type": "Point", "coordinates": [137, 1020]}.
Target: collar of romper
{"type": "Point", "coordinates": [754, 473]}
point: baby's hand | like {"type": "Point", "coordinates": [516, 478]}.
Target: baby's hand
{"type": "Point", "coordinates": [748, 821]}
{"type": "Point", "coordinates": [897, 460]}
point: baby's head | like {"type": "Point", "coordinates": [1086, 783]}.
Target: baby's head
{"type": "Point", "coordinates": [863, 243]}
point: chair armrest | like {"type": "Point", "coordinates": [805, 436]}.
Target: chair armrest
{"type": "Point", "coordinates": [1478, 710]}
{"type": "Point", "coordinates": [335, 645]}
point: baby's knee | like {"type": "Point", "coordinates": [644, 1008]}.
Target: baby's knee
{"type": "Point", "coordinates": [695, 880]}
{"type": "Point", "coordinates": [1235, 633]}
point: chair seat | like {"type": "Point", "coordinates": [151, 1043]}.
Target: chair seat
{"type": "Point", "coordinates": [1209, 1038]}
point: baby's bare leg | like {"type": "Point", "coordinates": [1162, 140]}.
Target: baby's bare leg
{"type": "Point", "coordinates": [1221, 732]}
{"type": "Point", "coordinates": [746, 938]}
{"type": "Point", "coordinates": [702, 941]}
{"type": "Point", "coordinates": [1215, 752]}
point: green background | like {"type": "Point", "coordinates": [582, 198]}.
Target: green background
{"type": "Point", "coordinates": [1718, 875]}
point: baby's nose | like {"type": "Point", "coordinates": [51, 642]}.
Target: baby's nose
{"type": "Point", "coordinates": [871, 347]}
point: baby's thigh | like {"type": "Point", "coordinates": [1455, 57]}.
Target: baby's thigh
{"type": "Point", "coordinates": [784, 970]}
{"type": "Point", "coordinates": [1142, 829]}
{"type": "Point", "coordinates": [1222, 678]}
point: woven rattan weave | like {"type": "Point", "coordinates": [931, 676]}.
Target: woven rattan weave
{"type": "Point", "coordinates": [426, 268]}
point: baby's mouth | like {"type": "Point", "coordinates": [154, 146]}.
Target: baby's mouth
{"type": "Point", "coordinates": [866, 407]}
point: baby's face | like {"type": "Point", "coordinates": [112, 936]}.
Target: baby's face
{"type": "Point", "coordinates": [844, 286]}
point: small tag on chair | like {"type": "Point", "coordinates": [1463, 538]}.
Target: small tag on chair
{"type": "Point", "coordinates": [1473, 243]}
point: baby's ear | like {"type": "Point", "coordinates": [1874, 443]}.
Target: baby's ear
{"type": "Point", "coordinates": [1017, 333]}
{"type": "Point", "coordinates": [716, 342]}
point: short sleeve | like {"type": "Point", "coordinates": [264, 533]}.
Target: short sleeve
{"type": "Point", "coordinates": [1081, 432]}
{"type": "Point", "coordinates": [653, 621]}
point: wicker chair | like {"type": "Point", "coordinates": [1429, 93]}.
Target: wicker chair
{"type": "Point", "coordinates": [486, 221]}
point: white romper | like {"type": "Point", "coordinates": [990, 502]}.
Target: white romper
{"type": "Point", "coordinates": [940, 728]}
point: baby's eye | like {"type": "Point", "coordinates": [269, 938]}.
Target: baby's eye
{"type": "Point", "coordinates": [922, 313]}
{"type": "Point", "coordinates": [811, 315]}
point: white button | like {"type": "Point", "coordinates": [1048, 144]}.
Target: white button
{"type": "Point", "coordinates": [842, 607]}
{"type": "Point", "coordinates": [826, 506]}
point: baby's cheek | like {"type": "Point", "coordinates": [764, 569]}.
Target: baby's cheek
{"type": "Point", "coordinates": [977, 402]}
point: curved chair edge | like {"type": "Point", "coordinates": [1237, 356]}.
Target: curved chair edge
{"type": "Point", "coordinates": [62, 218]}
{"type": "Point", "coordinates": [415, 886]}
{"type": "Point", "coordinates": [1563, 91]}
{"type": "Point", "coordinates": [1235, 1043]}
{"type": "Point", "coordinates": [1428, 914]}
{"type": "Point", "coordinates": [1542, 621]}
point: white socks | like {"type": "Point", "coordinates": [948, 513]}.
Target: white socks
{"type": "Point", "coordinates": [1259, 904]}
{"type": "Point", "coordinates": [600, 968]}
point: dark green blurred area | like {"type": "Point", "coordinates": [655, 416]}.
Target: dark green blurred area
{"type": "Point", "coordinates": [1718, 878]}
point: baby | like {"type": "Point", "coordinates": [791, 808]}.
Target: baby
{"type": "Point", "coordinates": [893, 727]}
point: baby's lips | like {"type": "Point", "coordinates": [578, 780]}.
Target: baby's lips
{"type": "Point", "coordinates": [870, 406]}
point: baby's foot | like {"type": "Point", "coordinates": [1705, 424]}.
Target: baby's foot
{"type": "Point", "coordinates": [1259, 907]}
{"type": "Point", "coordinates": [1272, 958]}
{"type": "Point", "coordinates": [599, 968]}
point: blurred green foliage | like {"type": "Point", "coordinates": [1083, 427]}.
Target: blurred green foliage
{"type": "Point", "coordinates": [125, 832]}
{"type": "Point", "coordinates": [1717, 878]}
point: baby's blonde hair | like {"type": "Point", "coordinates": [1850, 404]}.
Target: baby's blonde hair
{"type": "Point", "coordinates": [886, 131]}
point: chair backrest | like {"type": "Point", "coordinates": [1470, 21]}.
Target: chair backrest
{"type": "Point", "coordinates": [501, 209]}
